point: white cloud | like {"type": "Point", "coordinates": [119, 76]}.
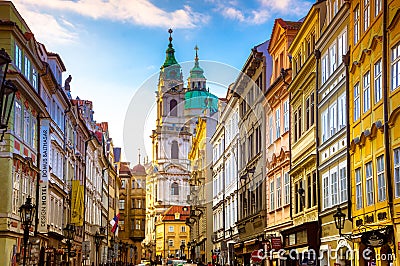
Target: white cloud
{"type": "Point", "coordinates": [140, 12]}
{"type": "Point", "coordinates": [253, 16]}
{"type": "Point", "coordinates": [47, 28]}
{"type": "Point", "coordinates": [296, 7]}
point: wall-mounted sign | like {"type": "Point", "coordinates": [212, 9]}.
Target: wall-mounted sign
{"type": "Point", "coordinates": [374, 239]}
{"type": "Point", "coordinates": [276, 243]}
{"type": "Point", "coordinates": [44, 174]}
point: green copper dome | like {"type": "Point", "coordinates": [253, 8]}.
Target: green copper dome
{"type": "Point", "coordinates": [201, 99]}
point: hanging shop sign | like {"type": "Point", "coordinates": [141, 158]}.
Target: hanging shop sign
{"type": "Point", "coordinates": [374, 239]}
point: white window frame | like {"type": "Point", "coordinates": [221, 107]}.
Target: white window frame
{"type": "Point", "coordinates": [395, 67]}
{"type": "Point", "coordinates": [286, 115]}
{"type": "Point", "coordinates": [396, 161]}
{"type": "Point", "coordinates": [332, 59]}
{"type": "Point", "coordinates": [356, 26]}
{"type": "Point", "coordinates": [369, 184]}
{"type": "Point", "coordinates": [359, 197]}
{"type": "Point", "coordinates": [325, 125]}
{"type": "Point", "coordinates": [278, 192]}
{"type": "Point", "coordinates": [27, 68]}
{"type": "Point", "coordinates": [326, 190]}
{"type": "Point", "coordinates": [18, 57]}
{"type": "Point", "coordinates": [287, 188]}
{"type": "Point", "coordinates": [380, 174]}
{"type": "Point", "coordinates": [378, 80]}
{"type": "Point", "coordinates": [342, 111]}
{"type": "Point", "coordinates": [332, 119]}
{"type": "Point", "coordinates": [278, 122]}
{"type": "Point", "coordinates": [271, 129]}
{"type": "Point", "coordinates": [367, 14]}
{"type": "Point", "coordinates": [367, 91]}
{"type": "Point", "coordinates": [171, 229]}
{"type": "Point", "coordinates": [356, 107]}
{"type": "Point", "coordinates": [343, 182]}
{"type": "Point", "coordinates": [324, 68]}
{"type": "Point", "coordinates": [27, 125]}
{"type": "Point", "coordinates": [272, 195]}
{"type": "Point", "coordinates": [378, 7]}
{"type": "Point", "coordinates": [334, 186]}
{"type": "Point", "coordinates": [17, 118]}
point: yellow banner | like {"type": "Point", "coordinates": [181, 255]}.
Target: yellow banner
{"type": "Point", "coordinates": [77, 203]}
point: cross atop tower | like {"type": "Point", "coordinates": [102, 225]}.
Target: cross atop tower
{"type": "Point", "coordinates": [196, 48]}
{"type": "Point", "coordinates": [170, 31]}
{"type": "Point", "coordinates": [139, 155]}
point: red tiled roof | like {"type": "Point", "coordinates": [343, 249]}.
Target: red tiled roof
{"type": "Point", "coordinates": [139, 169]}
{"type": "Point", "coordinates": [169, 215]}
{"type": "Point", "coordinates": [292, 25]}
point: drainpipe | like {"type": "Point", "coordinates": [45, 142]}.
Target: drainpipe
{"type": "Point", "coordinates": [386, 106]}
{"type": "Point", "coordinates": [346, 61]}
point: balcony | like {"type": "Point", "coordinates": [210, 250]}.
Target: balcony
{"type": "Point", "coordinates": [136, 234]}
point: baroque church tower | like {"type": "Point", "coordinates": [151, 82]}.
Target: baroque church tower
{"type": "Point", "coordinates": [177, 111]}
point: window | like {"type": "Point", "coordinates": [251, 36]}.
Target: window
{"type": "Point", "coordinates": [367, 12]}
{"type": "Point", "coordinates": [342, 111]}
{"type": "Point", "coordinates": [278, 192]}
{"type": "Point", "coordinates": [271, 130]}
{"type": "Point", "coordinates": [325, 121]}
{"type": "Point", "coordinates": [342, 45]}
{"type": "Point", "coordinates": [17, 118]}
{"type": "Point", "coordinates": [272, 195]}
{"type": "Point", "coordinates": [356, 102]}
{"type": "Point", "coordinates": [307, 113]}
{"type": "Point", "coordinates": [367, 92]}
{"type": "Point", "coordinates": [138, 224]}
{"type": "Point", "coordinates": [396, 66]}
{"type": "Point", "coordinates": [378, 7]}
{"type": "Point", "coordinates": [356, 26]}
{"type": "Point", "coordinates": [122, 204]}
{"type": "Point", "coordinates": [18, 57]}
{"type": "Point", "coordinates": [396, 156]}
{"type": "Point", "coordinates": [278, 122]}
{"type": "Point", "coordinates": [295, 126]}
{"type": "Point", "coordinates": [324, 67]}
{"type": "Point", "coordinates": [299, 122]}
{"type": "Point", "coordinates": [171, 229]}
{"type": "Point", "coordinates": [378, 80]}
{"type": "Point", "coordinates": [123, 184]}
{"type": "Point", "coordinates": [380, 173]}
{"type": "Point", "coordinates": [27, 69]}
{"type": "Point", "coordinates": [325, 185]}
{"type": "Point", "coordinates": [27, 126]}
{"type": "Point", "coordinates": [286, 115]}
{"type": "Point", "coordinates": [369, 183]}
{"type": "Point", "coordinates": [175, 189]}
{"type": "Point", "coordinates": [334, 187]}
{"type": "Point", "coordinates": [121, 225]}
{"type": "Point", "coordinates": [35, 79]}
{"type": "Point", "coordinates": [173, 109]}
{"type": "Point", "coordinates": [183, 229]}
{"type": "Point", "coordinates": [33, 132]}
{"type": "Point", "coordinates": [312, 109]}
{"type": "Point", "coordinates": [359, 200]}
{"type": "Point", "coordinates": [343, 183]}
{"type": "Point", "coordinates": [335, 7]}
{"type": "Point", "coordinates": [287, 188]}
{"type": "Point", "coordinates": [170, 242]}
{"type": "Point", "coordinates": [332, 58]}
{"type": "Point", "coordinates": [332, 119]}
{"type": "Point", "coordinates": [174, 150]}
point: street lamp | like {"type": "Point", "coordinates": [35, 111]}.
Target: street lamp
{"type": "Point", "coordinates": [340, 218]}
{"type": "Point", "coordinates": [7, 92]}
{"type": "Point", "coordinates": [27, 214]}
{"type": "Point", "coordinates": [69, 232]}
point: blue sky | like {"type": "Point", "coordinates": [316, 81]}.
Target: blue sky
{"type": "Point", "coordinates": [110, 47]}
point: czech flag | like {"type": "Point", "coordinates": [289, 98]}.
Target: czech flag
{"type": "Point", "coordinates": [114, 224]}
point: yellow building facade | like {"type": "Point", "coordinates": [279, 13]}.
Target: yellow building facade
{"type": "Point", "coordinates": [374, 101]}
{"type": "Point", "coordinates": [172, 234]}
{"type": "Point", "coordinates": [304, 184]}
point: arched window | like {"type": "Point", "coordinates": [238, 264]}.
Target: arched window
{"type": "Point", "coordinates": [175, 189]}
{"type": "Point", "coordinates": [173, 109]}
{"type": "Point", "coordinates": [174, 150]}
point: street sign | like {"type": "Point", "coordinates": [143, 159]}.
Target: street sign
{"type": "Point", "coordinates": [257, 255]}
{"type": "Point", "coordinates": [276, 243]}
